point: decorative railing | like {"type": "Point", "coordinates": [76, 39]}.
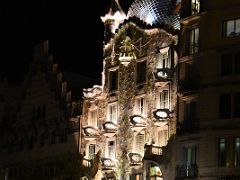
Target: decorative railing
{"type": "Point", "coordinates": [90, 132]}
{"type": "Point", "coordinates": [156, 150]}
{"type": "Point", "coordinates": [135, 158]}
{"type": "Point", "coordinates": [162, 114]}
{"type": "Point", "coordinates": [107, 163]}
{"type": "Point", "coordinates": [163, 74]}
{"type": "Point", "coordinates": [109, 126]}
{"type": "Point", "coordinates": [137, 122]}
{"type": "Point", "coordinates": [186, 171]}
{"type": "Point", "coordinates": [86, 162]}
{"type": "Point", "coordinates": [152, 149]}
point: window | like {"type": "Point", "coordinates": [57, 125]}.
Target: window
{"type": "Point", "coordinates": [231, 27]}
{"type": "Point", "coordinates": [237, 104]}
{"type": "Point", "coordinates": [113, 80]}
{"type": "Point", "coordinates": [91, 151]}
{"type": "Point", "coordinates": [163, 60]}
{"type": "Point", "coordinates": [237, 151]}
{"type": "Point", "coordinates": [222, 152]}
{"type": "Point", "coordinates": [140, 106]}
{"type": "Point", "coordinates": [111, 149]}
{"type": "Point", "coordinates": [193, 40]}
{"type": "Point", "coordinates": [112, 113]}
{"type": "Point", "coordinates": [93, 118]}
{"type": "Point", "coordinates": [190, 111]}
{"type": "Point", "coordinates": [139, 144]}
{"type": "Point", "coordinates": [225, 106]}
{"type": "Point", "coordinates": [162, 137]}
{"type": "Point", "coordinates": [229, 105]}
{"type": "Point", "coordinates": [230, 64]}
{"type": "Point", "coordinates": [141, 72]}
{"type": "Point", "coordinates": [195, 7]}
{"type": "Point", "coordinates": [190, 156]}
{"type": "Point", "coordinates": [237, 63]}
{"type": "Point", "coordinates": [164, 99]}
{"type": "Point", "coordinates": [226, 64]}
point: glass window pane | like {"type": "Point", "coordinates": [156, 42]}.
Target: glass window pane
{"type": "Point", "coordinates": [230, 28]}
{"type": "Point", "coordinates": [237, 29]}
{"type": "Point", "coordinates": [222, 152]}
{"type": "Point", "coordinates": [237, 152]}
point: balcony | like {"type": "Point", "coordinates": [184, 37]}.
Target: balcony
{"type": "Point", "coordinates": [162, 76]}
{"type": "Point", "coordinates": [107, 164]}
{"type": "Point", "coordinates": [138, 123]}
{"type": "Point", "coordinates": [135, 159]}
{"type": "Point", "coordinates": [153, 153]}
{"type": "Point", "coordinates": [186, 171]}
{"type": "Point", "coordinates": [187, 87]}
{"type": "Point", "coordinates": [109, 129]}
{"type": "Point", "coordinates": [90, 132]}
{"type": "Point", "coordinates": [161, 116]}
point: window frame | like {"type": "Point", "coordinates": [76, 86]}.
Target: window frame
{"type": "Point", "coordinates": [113, 104]}
{"type": "Point", "coordinates": [90, 121]}
{"type": "Point", "coordinates": [224, 28]}
{"type": "Point", "coordinates": [110, 83]}
{"type": "Point", "coordinates": [142, 111]}
{"type": "Point", "coordinates": [139, 80]}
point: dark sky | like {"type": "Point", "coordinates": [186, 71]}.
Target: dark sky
{"type": "Point", "coordinates": [74, 29]}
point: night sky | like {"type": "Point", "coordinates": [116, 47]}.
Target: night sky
{"type": "Point", "coordinates": [74, 29]}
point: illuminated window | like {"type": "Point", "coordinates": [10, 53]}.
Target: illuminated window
{"type": "Point", "coordinates": [222, 152]}
{"type": "Point", "coordinates": [193, 40]}
{"type": "Point", "coordinates": [91, 151]}
{"type": "Point", "coordinates": [162, 138]}
{"type": "Point", "coordinates": [93, 118]}
{"type": "Point", "coordinates": [195, 6]}
{"type": "Point", "coordinates": [113, 80]}
{"type": "Point", "coordinates": [141, 72]}
{"type": "Point", "coordinates": [231, 27]}
{"type": "Point", "coordinates": [164, 99]}
{"type": "Point", "coordinates": [139, 143]}
{"type": "Point", "coordinates": [112, 112]}
{"type": "Point", "coordinates": [237, 151]}
{"type": "Point", "coordinates": [163, 60]}
{"type": "Point", "coordinates": [111, 149]}
{"type": "Point", "coordinates": [140, 106]}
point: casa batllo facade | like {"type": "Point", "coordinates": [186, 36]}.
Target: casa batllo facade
{"type": "Point", "coordinates": [130, 117]}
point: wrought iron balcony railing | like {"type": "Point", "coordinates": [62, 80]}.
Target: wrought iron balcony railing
{"type": "Point", "coordinates": [186, 170]}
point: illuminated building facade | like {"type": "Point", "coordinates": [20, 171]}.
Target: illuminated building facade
{"type": "Point", "coordinates": [130, 117]}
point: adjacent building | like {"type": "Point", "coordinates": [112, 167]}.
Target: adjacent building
{"type": "Point", "coordinates": [40, 134]}
{"type": "Point", "coordinates": [207, 140]}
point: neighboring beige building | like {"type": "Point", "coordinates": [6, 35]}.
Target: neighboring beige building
{"type": "Point", "coordinates": [208, 138]}
{"type": "Point", "coordinates": [131, 116]}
